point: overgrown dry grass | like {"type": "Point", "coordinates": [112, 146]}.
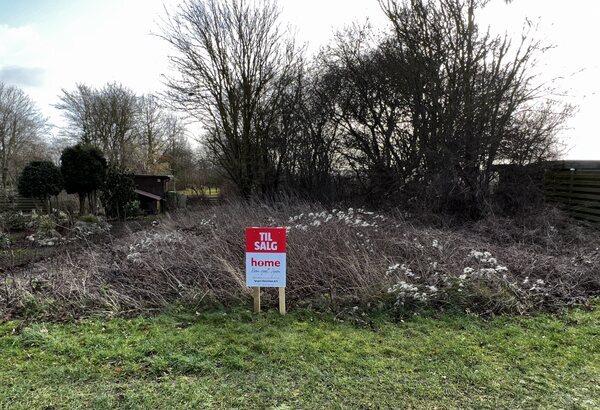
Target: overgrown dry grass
{"type": "Point", "coordinates": [337, 259]}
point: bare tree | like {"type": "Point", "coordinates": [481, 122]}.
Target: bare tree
{"type": "Point", "coordinates": [117, 111]}
{"type": "Point", "coordinates": [437, 104]}
{"type": "Point", "coordinates": [234, 68]}
{"type": "Point", "coordinates": [21, 128]}
{"type": "Point", "coordinates": [79, 109]}
{"type": "Point", "coordinates": [371, 110]}
{"type": "Point", "coordinates": [151, 130]}
{"type": "Point", "coordinates": [177, 153]}
{"type": "Point", "coordinates": [308, 120]}
{"type": "Point", "coordinates": [423, 112]}
{"type": "Point", "coordinates": [104, 118]}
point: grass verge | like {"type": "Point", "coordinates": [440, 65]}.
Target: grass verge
{"type": "Point", "coordinates": [235, 359]}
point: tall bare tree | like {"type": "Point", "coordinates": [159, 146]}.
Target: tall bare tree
{"type": "Point", "coordinates": [105, 118]}
{"type": "Point", "coordinates": [431, 108]}
{"type": "Point", "coordinates": [312, 161]}
{"type": "Point", "coordinates": [79, 109]}
{"type": "Point", "coordinates": [177, 153]}
{"type": "Point", "coordinates": [472, 94]}
{"type": "Point", "coordinates": [153, 129]}
{"type": "Point", "coordinates": [21, 129]}
{"type": "Point", "coordinates": [234, 66]}
{"type": "Point", "coordinates": [371, 110]}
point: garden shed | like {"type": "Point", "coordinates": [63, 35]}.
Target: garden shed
{"type": "Point", "coordinates": [151, 191]}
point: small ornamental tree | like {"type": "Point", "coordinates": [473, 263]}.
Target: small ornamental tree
{"type": "Point", "coordinates": [118, 193]}
{"type": "Point", "coordinates": [84, 169]}
{"type": "Point", "coordinates": [40, 180]}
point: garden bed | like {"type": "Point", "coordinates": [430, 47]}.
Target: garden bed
{"type": "Point", "coordinates": [339, 259]}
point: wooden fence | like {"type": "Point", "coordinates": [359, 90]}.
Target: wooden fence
{"type": "Point", "coordinates": [576, 191]}
{"type": "Point", "coordinates": [18, 203]}
{"type": "Point", "coordinates": [11, 201]}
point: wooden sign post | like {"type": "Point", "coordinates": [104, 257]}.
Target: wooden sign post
{"type": "Point", "coordinates": [256, 296]}
{"type": "Point", "coordinates": [282, 301]}
{"type": "Point", "coordinates": [266, 262]}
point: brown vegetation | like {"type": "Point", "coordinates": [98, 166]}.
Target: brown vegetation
{"type": "Point", "coordinates": [337, 259]}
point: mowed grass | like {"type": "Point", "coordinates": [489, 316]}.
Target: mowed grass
{"type": "Point", "coordinates": [225, 360]}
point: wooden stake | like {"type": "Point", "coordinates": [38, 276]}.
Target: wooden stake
{"type": "Point", "coordinates": [256, 296]}
{"type": "Point", "coordinates": [282, 301]}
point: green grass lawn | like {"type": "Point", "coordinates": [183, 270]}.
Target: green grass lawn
{"type": "Point", "coordinates": [212, 191]}
{"type": "Point", "coordinates": [239, 360]}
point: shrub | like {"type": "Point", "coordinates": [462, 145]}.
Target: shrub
{"type": "Point", "coordinates": [45, 233]}
{"type": "Point", "coordinates": [83, 169]}
{"type": "Point", "coordinates": [133, 209]}
{"type": "Point", "coordinates": [14, 221]}
{"type": "Point", "coordinates": [46, 226]}
{"type": "Point", "coordinates": [90, 225]}
{"type": "Point", "coordinates": [117, 193]}
{"type": "Point", "coordinates": [61, 218]}
{"type": "Point", "coordinates": [175, 200]}
{"type": "Point", "coordinates": [5, 240]}
{"type": "Point", "coordinates": [41, 180]}
{"type": "Point", "coordinates": [91, 219]}
{"type": "Point", "coordinates": [48, 221]}
{"type": "Point", "coordinates": [68, 204]}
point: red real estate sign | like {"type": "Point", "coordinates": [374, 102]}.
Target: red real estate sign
{"type": "Point", "coordinates": [265, 257]}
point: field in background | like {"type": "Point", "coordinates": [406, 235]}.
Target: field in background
{"type": "Point", "coordinates": [235, 359]}
{"type": "Point", "coordinates": [206, 191]}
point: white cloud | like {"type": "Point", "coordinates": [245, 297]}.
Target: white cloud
{"type": "Point", "coordinates": [22, 76]}
{"type": "Point", "coordinates": [21, 45]}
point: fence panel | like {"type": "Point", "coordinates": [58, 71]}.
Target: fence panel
{"type": "Point", "coordinates": [576, 191]}
{"type": "Point", "coordinates": [18, 203]}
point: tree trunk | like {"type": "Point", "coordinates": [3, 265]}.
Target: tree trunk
{"type": "Point", "coordinates": [92, 202]}
{"type": "Point", "coordinates": [81, 203]}
{"type": "Point", "coordinates": [4, 177]}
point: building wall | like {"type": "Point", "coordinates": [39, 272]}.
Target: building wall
{"type": "Point", "coordinates": [152, 184]}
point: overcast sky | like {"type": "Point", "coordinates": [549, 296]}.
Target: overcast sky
{"type": "Point", "coordinates": [46, 45]}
